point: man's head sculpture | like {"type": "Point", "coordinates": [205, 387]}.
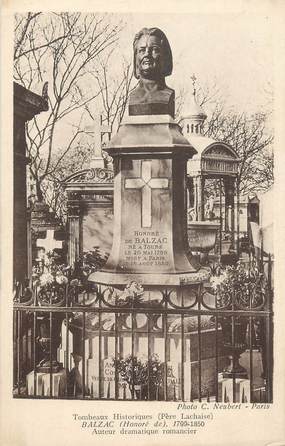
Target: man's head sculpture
{"type": "Point", "coordinates": [152, 63]}
{"type": "Point", "coordinates": [152, 55]}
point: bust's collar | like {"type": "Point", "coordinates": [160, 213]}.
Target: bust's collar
{"type": "Point", "coordinates": [149, 84]}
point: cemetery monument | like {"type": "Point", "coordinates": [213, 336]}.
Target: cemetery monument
{"type": "Point", "coordinates": [150, 244]}
{"type": "Point", "coordinates": [150, 155]}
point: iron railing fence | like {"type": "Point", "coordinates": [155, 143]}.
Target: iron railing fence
{"type": "Point", "coordinates": [158, 345]}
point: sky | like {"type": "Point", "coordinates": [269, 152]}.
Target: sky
{"type": "Point", "coordinates": [234, 50]}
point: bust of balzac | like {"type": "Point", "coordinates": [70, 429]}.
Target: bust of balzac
{"type": "Point", "coordinates": [152, 63]}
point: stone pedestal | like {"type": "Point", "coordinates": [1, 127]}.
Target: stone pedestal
{"type": "Point", "coordinates": [230, 391]}
{"type": "Point", "coordinates": [150, 243]}
{"type": "Point", "coordinates": [103, 384]}
{"type": "Point", "coordinates": [43, 384]}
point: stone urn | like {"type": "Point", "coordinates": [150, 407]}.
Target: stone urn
{"type": "Point", "coordinates": [202, 236]}
{"type": "Point", "coordinates": [49, 344]}
{"type": "Point", "coordinates": [234, 348]}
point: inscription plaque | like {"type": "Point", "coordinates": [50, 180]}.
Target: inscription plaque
{"type": "Point", "coordinates": [146, 240]}
{"type": "Point", "coordinates": [147, 248]}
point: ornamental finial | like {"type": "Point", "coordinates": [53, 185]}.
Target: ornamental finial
{"type": "Point", "coordinates": [194, 78]}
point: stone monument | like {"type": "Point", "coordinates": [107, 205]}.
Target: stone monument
{"type": "Point", "coordinates": [26, 106]}
{"type": "Point", "coordinates": [150, 155]}
{"type": "Point", "coordinates": [150, 244]}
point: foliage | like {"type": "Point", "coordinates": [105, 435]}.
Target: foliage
{"type": "Point", "coordinates": [48, 274]}
{"type": "Point", "coordinates": [114, 89]}
{"type": "Point", "coordinates": [89, 262]}
{"type": "Point", "coordinates": [140, 371]}
{"type": "Point", "coordinates": [238, 285]}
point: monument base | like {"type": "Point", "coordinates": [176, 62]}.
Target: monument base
{"type": "Point", "coordinates": [166, 279]}
{"type": "Point", "coordinates": [230, 391]}
{"type": "Point", "coordinates": [42, 383]}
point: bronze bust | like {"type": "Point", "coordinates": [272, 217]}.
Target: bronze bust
{"type": "Point", "coordinates": [152, 63]}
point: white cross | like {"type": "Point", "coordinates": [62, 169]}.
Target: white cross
{"type": "Point", "coordinates": [49, 243]}
{"type": "Point", "coordinates": [146, 183]}
{"type": "Point", "coordinates": [97, 129]}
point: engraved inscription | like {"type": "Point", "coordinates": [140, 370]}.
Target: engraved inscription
{"type": "Point", "coordinates": [146, 248]}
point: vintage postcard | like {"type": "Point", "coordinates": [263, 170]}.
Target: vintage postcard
{"type": "Point", "coordinates": [142, 246]}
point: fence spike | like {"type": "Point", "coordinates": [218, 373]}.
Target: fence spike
{"type": "Point", "coordinates": [225, 396]}
{"type": "Point", "coordinates": [243, 396]}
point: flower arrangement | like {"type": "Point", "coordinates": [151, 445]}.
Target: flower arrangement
{"type": "Point", "coordinates": [141, 373]}
{"type": "Point", "coordinates": [131, 295]}
{"type": "Point", "coordinates": [239, 286]}
{"type": "Point", "coordinates": [50, 280]}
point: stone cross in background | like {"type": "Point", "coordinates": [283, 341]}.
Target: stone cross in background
{"type": "Point", "coordinates": [97, 129]}
{"type": "Point", "coordinates": [49, 243]}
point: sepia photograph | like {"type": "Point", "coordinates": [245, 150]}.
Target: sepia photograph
{"type": "Point", "coordinates": [143, 183]}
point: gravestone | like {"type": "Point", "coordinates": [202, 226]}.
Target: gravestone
{"type": "Point", "coordinates": [46, 228]}
{"type": "Point", "coordinates": [90, 201]}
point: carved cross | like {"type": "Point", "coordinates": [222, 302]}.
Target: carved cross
{"type": "Point", "coordinates": [146, 183]}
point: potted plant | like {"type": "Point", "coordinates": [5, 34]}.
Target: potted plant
{"type": "Point", "coordinates": [237, 288]}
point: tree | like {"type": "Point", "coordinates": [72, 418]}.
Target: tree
{"type": "Point", "coordinates": [115, 87]}
{"type": "Point", "coordinates": [59, 48]}
{"type": "Point", "coordinates": [112, 101]}
{"type": "Point", "coordinates": [79, 156]}
{"type": "Point", "coordinates": [26, 26]}
{"type": "Point", "coordinates": [251, 139]}
{"type": "Point", "coordinates": [263, 169]}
